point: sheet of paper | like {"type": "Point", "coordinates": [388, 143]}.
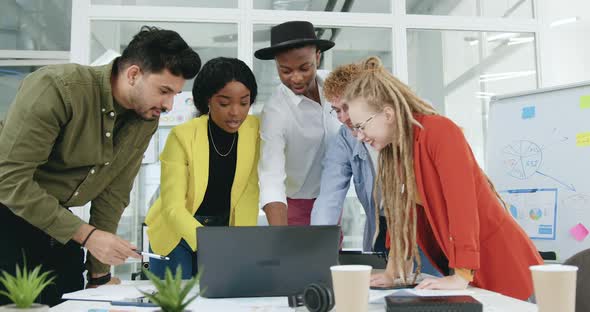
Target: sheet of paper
{"type": "Point", "coordinates": [258, 304]}
{"type": "Point", "coordinates": [110, 293]}
{"type": "Point", "coordinates": [535, 210]}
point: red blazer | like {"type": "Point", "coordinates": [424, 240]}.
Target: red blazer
{"type": "Point", "coordinates": [467, 223]}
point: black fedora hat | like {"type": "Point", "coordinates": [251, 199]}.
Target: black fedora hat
{"type": "Point", "coordinates": [291, 34]}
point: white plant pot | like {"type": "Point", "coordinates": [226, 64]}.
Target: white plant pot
{"type": "Point", "coordinates": [36, 307]}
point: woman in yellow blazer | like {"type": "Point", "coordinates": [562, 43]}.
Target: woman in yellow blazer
{"type": "Point", "coordinates": [209, 167]}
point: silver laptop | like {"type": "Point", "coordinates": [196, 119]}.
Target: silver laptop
{"type": "Point", "coordinates": [265, 261]}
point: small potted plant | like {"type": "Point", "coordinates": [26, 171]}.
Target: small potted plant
{"type": "Point", "coordinates": [170, 293]}
{"type": "Point", "coordinates": [23, 288]}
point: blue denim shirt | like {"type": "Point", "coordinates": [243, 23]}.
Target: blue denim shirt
{"type": "Point", "coordinates": [346, 157]}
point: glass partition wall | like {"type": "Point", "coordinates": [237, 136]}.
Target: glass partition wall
{"type": "Point", "coordinates": [33, 33]}
{"type": "Point", "coordinates": [455, 54]}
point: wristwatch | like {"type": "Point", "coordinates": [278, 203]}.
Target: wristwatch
{"type": "Point", "coordinates": [97, 281]}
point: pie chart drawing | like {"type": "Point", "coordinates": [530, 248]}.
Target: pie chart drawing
{"type": "Point", "coordinates": [522, 159]}
{"type": "Point", "coordinates": [535, 214]}
{"type": "Point", "coordinates": [578, 202]}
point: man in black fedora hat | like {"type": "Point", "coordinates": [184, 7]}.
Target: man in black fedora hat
{"type": "Point", "coordinates": [296, 124]}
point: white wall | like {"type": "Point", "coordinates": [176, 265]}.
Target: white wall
{"type": "Point", "coordinates": [444, 67]}
{"type": "Point", "coordinates": [564, 49]}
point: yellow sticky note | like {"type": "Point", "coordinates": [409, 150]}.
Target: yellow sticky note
{"type": "Point", "coordinates": [585, 102]}
{"type": "Point", "coordinates": [583, 139]}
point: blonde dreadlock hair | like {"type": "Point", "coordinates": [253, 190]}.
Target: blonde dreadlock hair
{"type": "Point", "coordinates": [395, 179]}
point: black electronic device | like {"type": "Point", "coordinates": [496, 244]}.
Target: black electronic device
{"type": "Point", "coordinates": [315, 297]}
{"type": "Point", "coordinates": [395, 286]}
{"type": "Point", "coordinates": [432, 304]}
{"type": "Point", "coordinates": [265, 261]}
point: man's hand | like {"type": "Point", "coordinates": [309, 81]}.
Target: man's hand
{"type": "Point", "coordinates": [276, 213]}
{"type": "Point", "coordinates": [114, 281]}
{"type": "Point", "coordinates": [110, 249]}
{"type": "Point", "coordinates": [104, 246]}
{"type": "Point", "coordinates": [448, 282]}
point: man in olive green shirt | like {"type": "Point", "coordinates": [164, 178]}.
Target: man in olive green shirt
{"type": "Point", "coordinates": [76, 134]}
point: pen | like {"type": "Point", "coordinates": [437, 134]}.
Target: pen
{"type": "Point", "coordinates": [152, 255]}
{"type": "Point", "coordinates": [133, 304]}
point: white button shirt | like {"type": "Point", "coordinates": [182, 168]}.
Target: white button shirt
{"type": "Point", "coordinates": [294, 131]}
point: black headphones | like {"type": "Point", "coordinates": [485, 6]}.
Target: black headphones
{"type": "Point", "coordinates": [315, 297]}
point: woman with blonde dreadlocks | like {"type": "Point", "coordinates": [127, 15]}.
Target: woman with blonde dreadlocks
{"type": "Point", "coordinates": [435, 195]}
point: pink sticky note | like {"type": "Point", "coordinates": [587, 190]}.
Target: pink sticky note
{"type": "Point", "coordinates": [579, 232]}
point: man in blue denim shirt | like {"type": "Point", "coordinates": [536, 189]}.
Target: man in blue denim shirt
{"type": "Point", "coordinates": [348, 157]}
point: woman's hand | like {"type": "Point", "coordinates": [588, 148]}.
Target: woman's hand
{"type": "Point", "coordinates": [448, 282]}
{"type": "Point", "coordinates": [388, 277]}
{"type": "Point", "coordinates": [382, 279]}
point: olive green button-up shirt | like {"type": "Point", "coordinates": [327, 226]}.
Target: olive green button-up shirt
{"type": "Point", "coordinates": [64, 143]}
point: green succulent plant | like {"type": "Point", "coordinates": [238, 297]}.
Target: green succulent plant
{"type": "Point", "coordinates": [171, 295]}
{"type": "Point", "coordinates": [24, 287]}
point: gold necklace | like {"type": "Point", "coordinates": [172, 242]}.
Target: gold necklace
{"type": "Point", "coordinates": [215, 147]}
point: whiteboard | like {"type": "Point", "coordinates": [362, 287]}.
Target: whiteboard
{"type": "Point", "coordinates": [538, 156]}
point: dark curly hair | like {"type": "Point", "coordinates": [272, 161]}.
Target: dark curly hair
{"type": "Point", "coordinates": [215, 74]}
{"type": "Point", "coordinates": [154, 49]}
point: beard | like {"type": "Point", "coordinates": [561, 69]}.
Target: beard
{"type": "Point", "coordinates": [148, 118]}
{"type": "Point", "coordinates": [148, 115]}
{"type": "Point", "coordinates": [143, 110]}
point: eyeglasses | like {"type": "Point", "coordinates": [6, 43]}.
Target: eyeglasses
{"type": "Point", "coordinates": [362, 125]}
{"type": "Point", "coordinates": [337, 111]}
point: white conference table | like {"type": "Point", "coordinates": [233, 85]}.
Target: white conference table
{"type": "Point", "coordinates": [492, 302]}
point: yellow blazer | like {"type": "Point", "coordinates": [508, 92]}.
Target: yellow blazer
{"type": "Point", "coordinates": [184, 178]}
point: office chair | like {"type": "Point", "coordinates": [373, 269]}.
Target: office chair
{"type": "Point", "coordinates": [144, 261]}
{"type": "Point", "coordinates": [582, 261]}
{"type": "Point", "coordinates": [144, 242]}
{"type": "Point", "coordinates": [376, 260]}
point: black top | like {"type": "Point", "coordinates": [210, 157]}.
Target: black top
{"type": "Point", "coordinates": [222, 169]}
